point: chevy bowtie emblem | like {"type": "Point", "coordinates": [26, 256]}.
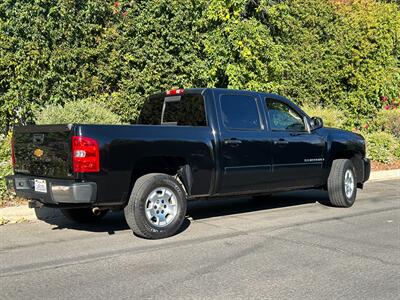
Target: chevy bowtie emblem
{"type": "Point", "coordinates": [38, 152]}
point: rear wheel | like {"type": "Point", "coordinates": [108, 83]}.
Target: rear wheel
{"type": "Point", "coordinates": [342, 183]}
{"type": "Point", "coordinates": [83, 215]}
{"type": "Point", "coordinates": [157, 206]}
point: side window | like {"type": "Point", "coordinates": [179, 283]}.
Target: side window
{"type": "Point", "coordinates": [283, 117]}
{"type": "Point", "coordinates": [240, 112]}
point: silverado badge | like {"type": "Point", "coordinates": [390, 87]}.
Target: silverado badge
{"type": "Point", "coordinates": [38, 152]}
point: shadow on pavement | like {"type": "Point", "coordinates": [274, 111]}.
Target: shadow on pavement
{"type": "Point", "coordinates": [227, 206]}
{"type": "Point", "coordinates": [203, 209]}
{"type": "Point", "coordinates": [112, 222]}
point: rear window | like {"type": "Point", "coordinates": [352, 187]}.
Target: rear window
{"type": "Point", "coordinates": [180, 110]}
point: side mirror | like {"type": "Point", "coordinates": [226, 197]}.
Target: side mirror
{"type": "Point", "coordinates": [316, 123]}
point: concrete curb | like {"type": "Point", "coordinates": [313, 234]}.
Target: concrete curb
{"type": "Point", "coordinates": [21, 213]}
{"type": "Point", "coordinates": [385, 175]}
{"type": "Point", "coordinates": [16, 214]}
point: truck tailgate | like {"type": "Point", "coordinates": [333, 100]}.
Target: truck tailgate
{"type": "Point", "coordinates": [43, 150]}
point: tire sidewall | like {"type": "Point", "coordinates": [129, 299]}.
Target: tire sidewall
{"type": "Point", "coordinates": [160, 181]}
{"type": "Point", "coordinates": [349, 166]}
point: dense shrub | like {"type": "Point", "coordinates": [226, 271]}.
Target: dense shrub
{"type": "Point", "coordinates": [388, 120]}
{"type": "Point", "coordinates": [332, 117]}
{"type": "Point", "coordinates": [5, 165]}
{"type": "Point", "coordinates": [82, 111]}
{"type": "Point", "coordinates": [382, 147]}
{"type": "Point", "coordinates": [317, 52]}
{"type": "Point", "coordinates": [397, 152]}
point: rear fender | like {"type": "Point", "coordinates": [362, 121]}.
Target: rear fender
{"type": "Point", "coordinates": [174, 166]}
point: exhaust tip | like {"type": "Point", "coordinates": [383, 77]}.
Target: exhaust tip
{"type": "Point", "coordinates": [34, 204]}
{"type": "Point", "coordinates": [96, 211]}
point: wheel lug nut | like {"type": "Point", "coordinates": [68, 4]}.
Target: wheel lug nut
{"type": "Point", "coordinates": [155, 206]}
{"type": "Point", "coordinates": [157, 211]}
{"type": "Point", "coordinates": [162, 211]}
{"type": "Point", "coordinates": [165, 206]}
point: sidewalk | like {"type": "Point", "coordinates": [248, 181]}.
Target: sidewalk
{"type": "Point", "coordinates": [385, 175]}
{"type": "Point", "coordinates": [22, 213]}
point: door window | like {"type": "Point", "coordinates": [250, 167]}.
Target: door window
{"type": "Point", "coordinates": [240, 112]}
{"type": "Point", "coordinates": [283, 117]}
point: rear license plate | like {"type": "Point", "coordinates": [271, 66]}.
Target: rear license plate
{"type": "Point", "coordinates": [40, 186]}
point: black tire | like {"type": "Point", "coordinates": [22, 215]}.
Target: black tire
{"type": "Point", "coordinates": [135, 210]}
{"type": "Point", "coordinates": [337, 186]}
{"type": "Point", "coordinates": [83, 215]}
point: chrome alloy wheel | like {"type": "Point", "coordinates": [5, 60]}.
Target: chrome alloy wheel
{"type": "Point", "coordinates": [349, 183]}
{"type": "Point", "coordinates": [161, 207]}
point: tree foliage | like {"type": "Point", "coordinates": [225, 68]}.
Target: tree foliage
{"type": "Point", "coordinates": [5, 165]}
{"type": "Point", "coordinates": [334, 53]}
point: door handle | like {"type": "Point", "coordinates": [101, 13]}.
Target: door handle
{"type": "Point", "coordinates": [233, 142]}
{"type": "Point", "coordinates": [281, 142]}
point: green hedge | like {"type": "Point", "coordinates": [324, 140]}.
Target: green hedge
{"type": "Point", "coordinates": [332, 117]}
{"type": "Point", "coordinates": [5, 165]}
{"type": "Point", "coordinates": [342, 54]}
{"type": "Point", "coordinates": [388, 120]}
{"type": "Point", "coordinates": [382, 147]}
{"type": "Point", "coordinates": [82, 111]}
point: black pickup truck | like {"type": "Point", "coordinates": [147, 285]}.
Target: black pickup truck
{"type": "Point", "coordinates": [188, 144]}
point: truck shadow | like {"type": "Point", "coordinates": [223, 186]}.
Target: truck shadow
{"type": "Point", "coordinates": [197, 210]}
{"type": "Point", "coordinates": [231, 206]}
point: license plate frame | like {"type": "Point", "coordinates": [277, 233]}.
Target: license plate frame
{"type": "Point", "coordinates": [40, 186]}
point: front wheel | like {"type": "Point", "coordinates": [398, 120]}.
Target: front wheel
{"type": "Point", "coordinates": [157, 206]}
{"type": "Point", "coordinates": [342, 184]}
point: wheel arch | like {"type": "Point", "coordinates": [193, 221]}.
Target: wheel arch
{"type": "Point", "coordinates": [172, 165]}
{"type": "Point", "coordinates": [355, 157]}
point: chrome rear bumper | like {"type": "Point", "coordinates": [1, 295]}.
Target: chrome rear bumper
{"type": "Point", "coordinates": [58, 190]}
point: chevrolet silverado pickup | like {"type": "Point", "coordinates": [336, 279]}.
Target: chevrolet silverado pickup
{"type": "Point", "coordinates": [188, 144]}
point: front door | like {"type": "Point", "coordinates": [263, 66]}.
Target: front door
{"type": "Point", "coordinates": [298, 155]}
{"type": "Point", "coordinates": [245, 146]}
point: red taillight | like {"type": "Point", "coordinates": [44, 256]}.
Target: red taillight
{"type": "Point", "coordinates": [175, 92]}
{"type": "Point", "coordinates": [13, 161]}
{"type": "Point", "coordinates": [85, 155]}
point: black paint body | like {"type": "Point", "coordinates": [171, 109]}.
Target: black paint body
{"type": "Point", "coordinates": [209, 160]}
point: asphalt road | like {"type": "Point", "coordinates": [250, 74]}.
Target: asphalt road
{"type": "Point", "coordinates": [285, 247]}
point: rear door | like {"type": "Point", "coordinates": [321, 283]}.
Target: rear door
{"type": "Point", "coordinates": [245, 149]}
{"type": "Point", "coordinates": [298, 154]}
{"type": "Point", "coordinates": [43, 150]}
